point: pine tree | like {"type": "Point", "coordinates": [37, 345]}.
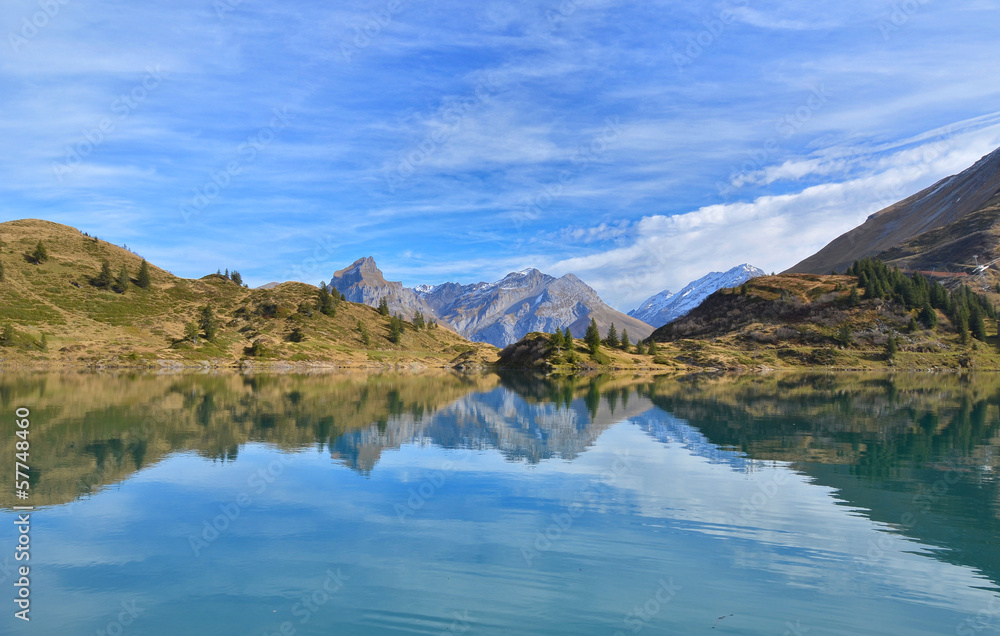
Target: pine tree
{"type": "Point", "coordinates": [40, 255]}
{"type": "Point", "coordinates": [928, 316]}
{"type": "Point", "coordinates": [845, 336]}
{"type": "Point", "coordinates": [418, 321]}
{"type": "Point", "coordinates": [891, 347]}
{"type": "Point", "coordinates": [612, 338]}
{"type": "Point", "coordinates": [853, 299]}
{"type": "Point", "coordinates": [568, 339]}
{"type": "Point", "coordinates": [383, 306]}
{"type": "Point", "coordinates": [122, 280]}
{"type": "Point", "coordinates": [652, 348]}
{"type": "Point", "coordinates": [191, 332]}
{"type": "Point", "coordinates": [324, 302]}
{"type": "Point", "coordinates": [976, 323]}
{"type": "Point", "coordinates": [640, 348]}
{"type": "Point", "coordinates": [236, 277]}
{"type": "Point", "coordinates": [395, 330]}
{"type": "Point", "coordinates": [912, 326]}
{"type": "Point", "coordinates": [625, 341]}
{"type": "Point", "coordinates": [8, 335]}
{"type": "Point", "coordinates": [207, 322]}
{"type": "Point", "coordinates": [143, 280]}
{"type": "Point", "coordinates": [366, 339]}
{"type": "Point", "coordinates": [104, 279]}
{"type": "Point", "coordinates": [593, 337]}
{"type": "Point", "coordinates": [961, 322]}
{"type": "Point", "coordinates": [1, 270]}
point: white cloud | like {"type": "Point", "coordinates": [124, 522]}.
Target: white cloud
{"type": "Point", "coordinates": [771, 232]}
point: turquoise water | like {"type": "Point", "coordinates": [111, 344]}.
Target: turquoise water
{"type": "Point", "coordinates": [396, 505]}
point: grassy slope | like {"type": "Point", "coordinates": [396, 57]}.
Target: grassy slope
{"type": "Point", "coordinates": [953, 246]}
{"type": "Point", "coordinates": [87, 325]}
{"type": "Point", "coordinates": [791, 320]}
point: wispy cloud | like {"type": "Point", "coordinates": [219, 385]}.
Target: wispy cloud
{"type": "Point", "coordinates": [690, 182]}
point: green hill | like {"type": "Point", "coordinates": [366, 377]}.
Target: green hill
{"type": "Point", "coordinates": [794, 320]}
{"type": "Point", "coordinates": [57, 311]}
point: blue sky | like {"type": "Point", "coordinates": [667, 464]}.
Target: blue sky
{"type": "Point", "coordinates": [637, 145]}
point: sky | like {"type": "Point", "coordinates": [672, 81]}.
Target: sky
{"type": "Point", "coordinates": [637, 145]}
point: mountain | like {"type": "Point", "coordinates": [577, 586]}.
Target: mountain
{"type": "Point", "coordinates": [666, 306]}
{"type": "Point", "coordinates": [949, 203]}
{"type": "Point", "coordinates": [499, 313]}
{"type": "Point", "coordinates": [823, 320]}
{"type": "Point", "coordinates": [362, 282]}
{"type": "Point", "coordinates": [60, 311]}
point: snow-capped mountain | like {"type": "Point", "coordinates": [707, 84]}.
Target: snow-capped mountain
{"type": "Point", "coordinates": [500, 313]}
{"type": "Point", "coordinates": [666, 306]}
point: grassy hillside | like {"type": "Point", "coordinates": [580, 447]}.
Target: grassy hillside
{"type": "Point", "coordinates": [951, 248]}
{"type": "Point", "coordinates": [795, 320]}
{"type": "Point", "coordinates": [54, 312]}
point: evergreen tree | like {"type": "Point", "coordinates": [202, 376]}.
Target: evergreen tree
{"type": "Point", "coordinates": [236, 277]}
{"type": "Point", "coordinates": [122, 280]}
{"type": "Point", "coordinates": [324, 302]}
{"type": "Point", "coordinates": [418, 321]}
{"type": "Point", "coordinates": [976, 323]}
{"type": "Point", "coordinates": [593, 337]}
{"type": "Point", "coordinates": [8, 335]}
{"type": "Point", "coordinates": [40, 255]}
{"type": "Point", "coordinates": [961, 323]}
{"type": "Point", "coordinates": [556, 342]}
{"type": "Point", "coordinates": [652, 349]}
{"type": "Point", "coordinates": [296, 335]}
{"type": "Point", "coordinates": [625, 341]}
{"type": "Point", "coordinates": [912, 326]}
{"type": "Point", "coordinates": [44, 344]}
{"type": "Point", "coordinates": [207, 322]}
{"type": "Point", "coordinates": [853, 299]}
{"type": "Point", "coordinates": [612, 338]}
{"type": "Point", "coordinates": [568, 339]}
{"type": "Point", "coordinates": [366, 339]}
{"type": "Point", "coordinates": [383, 306]}
{"type": "Point", "coordinates": [844, 335]}
{"type": "Point", "coordinates": [928, 316]}
{"type": "Point", "coordinates": [1, 270]}
{"type": "Point", "coordinates": [143, 279]}
{"type": "Point", "coordinates": [104, 279]}
{"type": "Point", "coordinates": [640, 348]}
{"type": "Point", "coordinates": [395, 330]}
{"type": "Point", "coordinates": [191, 332]}
{"type": "Point", "coordinates": [343, 297]}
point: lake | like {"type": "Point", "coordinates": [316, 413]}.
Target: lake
{"type": "Point", "coordinates": [505, 504]}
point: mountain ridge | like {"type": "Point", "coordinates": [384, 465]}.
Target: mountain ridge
{"type": "Point", "coordinates": [501, 312]}
{"type": "Point", "coordinates": [665, 307]}
{"type": "Point", "coordinates": [940, 205]}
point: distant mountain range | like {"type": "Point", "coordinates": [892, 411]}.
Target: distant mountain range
{"type": "Point", "coordinates": [943, 228]}
{"type": "Point", "coordinates": [666, 306]}
{"type": "Point", "coordinates": [500, 313]}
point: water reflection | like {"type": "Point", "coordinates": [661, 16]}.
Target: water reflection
{"type": "Point", "coordinates": [814, 487]}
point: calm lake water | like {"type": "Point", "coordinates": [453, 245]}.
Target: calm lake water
{"type": "Point", "coordinates": [440, 504]}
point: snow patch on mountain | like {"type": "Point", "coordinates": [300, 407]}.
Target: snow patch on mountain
{"type": "Point", "coordinates": [666, 306]}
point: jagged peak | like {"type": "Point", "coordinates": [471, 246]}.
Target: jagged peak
{"type": "Point", "coordinates": [364, 265]}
